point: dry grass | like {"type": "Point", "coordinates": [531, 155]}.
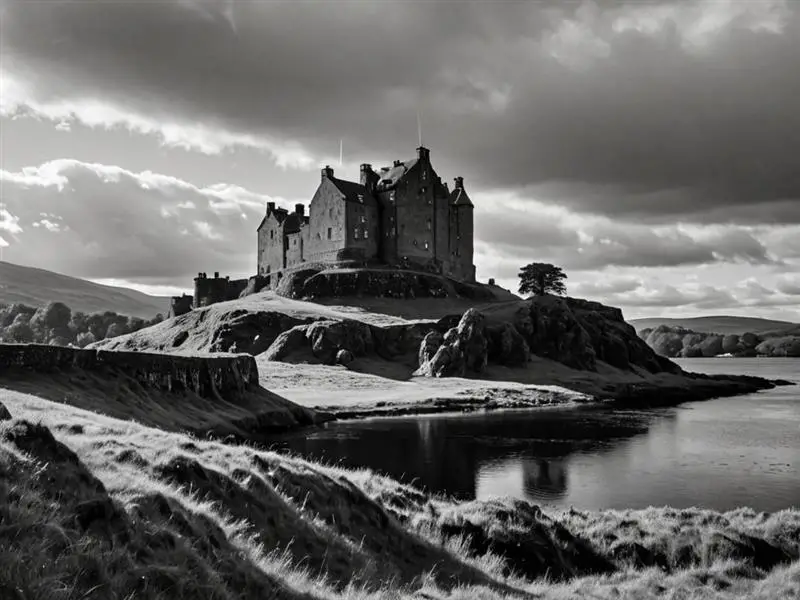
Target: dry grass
{"type": "Point", "coordinates": [94, 507]}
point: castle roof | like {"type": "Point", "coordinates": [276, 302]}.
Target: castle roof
{"type": "Point", "coordinates": [352, 191]}
{"type": "Point", "coordinates": [459, 197]}
{"type": "Point", "coordinates": [283, 217]}
{"type": "Point", "coordinates": [389, 176]}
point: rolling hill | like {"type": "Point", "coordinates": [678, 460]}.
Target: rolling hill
{"type": "Point", "coordinates": [36, 287]}
{"type": "Point", "coordinates": [716, 324]}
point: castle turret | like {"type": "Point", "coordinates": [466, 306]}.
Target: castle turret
{"type": "Point", "coordinates": [369, 178]}
{"type": "Point", "coordinates": [462, 231]}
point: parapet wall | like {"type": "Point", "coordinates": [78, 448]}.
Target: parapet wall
{"type": "Point", "coordinates": [207, 376]}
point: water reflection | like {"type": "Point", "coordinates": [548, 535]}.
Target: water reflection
{"type": "Point", "coordinates": [522, 454]}
{"type": "Point", "coordinates": [724, 453]}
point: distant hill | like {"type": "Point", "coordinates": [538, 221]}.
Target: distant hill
{"type": "Point", "coordinates": [716, 324]}
{"type": "Point", "coordinates": [36, 287]}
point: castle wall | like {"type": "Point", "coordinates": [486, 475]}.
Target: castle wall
{"type": "Point", "coordinates": [294, 248]}
{"type": "Point", "coordinates": [363, 229]}
{"type": "Point", "coordinates": [415, 216]}
{"type": "Point", "coordinates": [270, 246]}
{"type": "Point", "coordinates": [387, 246]}
{"type": "Point", "coordinates": [442, 230]}
{"type": "Point", "coordinates": [328, 219]}
{"type": "Point", "coordinates": [465, 242]}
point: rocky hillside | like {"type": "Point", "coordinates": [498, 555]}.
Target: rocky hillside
{"type": "Point", "coordinates": [580, 345]}
{"type": "Point", "coordinates": [674, 342]}
{"type": "Point", "coordinates": [94, 507]}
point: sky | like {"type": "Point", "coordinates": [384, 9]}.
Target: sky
{"type": "Point", "coordinates": [652, 150]}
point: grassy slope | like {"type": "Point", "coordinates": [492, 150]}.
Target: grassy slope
{"type": "Point", "coordinates": [93, 507]}
{"type": "Point", "coordinates": [36, 287]}
{"type": "Point", "coordinates": [112, 392]}
{"type": "Point", "coordinates": [718, 324]}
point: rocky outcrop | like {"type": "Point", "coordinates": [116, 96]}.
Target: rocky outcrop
{"type": "Point", "coordinates": [461, 350]}
{"type": "Point", "coordinates": [209, 376]}
{"type": "Point", "coordinates": [574, 332]}
{"type": "Point", "coordinates": [378, 283]}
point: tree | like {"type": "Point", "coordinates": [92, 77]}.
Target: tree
{"type": "Point", "coordinates": [542, 278]}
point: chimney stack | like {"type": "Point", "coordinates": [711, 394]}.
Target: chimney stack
{"type": "Point", "coordinates": [216, 274]}
{"type": "Point", "coordinates": [300, 209]}
{"type": "Point", "coordinates": [327, 172]}
{"type": "Point", "coordinates": [423, 153]}
{"type": "Point", "coordinates": [459, 183]}
{"type": "Point", "coordinates": [270, 207]}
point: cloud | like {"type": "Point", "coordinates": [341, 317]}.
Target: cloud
{"type": "Point", "coordinates": [527, 230]}
{"type": "Point", "coordinates": [665, 109]}
{"type": "Point", "coordinates": [105, 222]}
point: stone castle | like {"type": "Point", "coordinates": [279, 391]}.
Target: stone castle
{"type": "Point", "coordinates": [402, 215]}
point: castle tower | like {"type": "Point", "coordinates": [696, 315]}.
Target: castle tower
{"type": "Point", "coordinates": [464, 220]}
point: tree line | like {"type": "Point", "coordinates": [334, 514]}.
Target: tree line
{"type": "Point", "coordinates": [57, 325]}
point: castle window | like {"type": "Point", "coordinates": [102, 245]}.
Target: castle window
{"type": "Point", "coordinates": [294, 242]}
{"type": "Point", "coordinates": [364, 219]}
{"type": "Point", "coordinates": [424, 174]}
{"type": "Point", "coordinates": [391, 196]}
{"type": "Point", "coordinates": [330, 233]}
{"type": "Point", "coordinates": [429, 224]}
{"type": "Point", "coordinates": [426, 245]}
{"type": "Point", "coordinates": [271, 234]}
{"type": "Point", "coordinates": [355, 233]}
{"type": "Point", "coordinates": [415, 242]}
{"type": "Point", "coordinates": [423, 189]}
{"type": "Point", "coordinates": [361, 198]}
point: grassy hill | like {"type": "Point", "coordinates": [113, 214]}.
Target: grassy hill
{"type": "Point", "coordinates": [716, 324]}
{"type": "Point", "coordinates": [97, 507]}
{"type": "Point", "coordinates": [35, 287]}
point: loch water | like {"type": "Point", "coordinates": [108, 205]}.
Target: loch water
{"type": "Point", "coordinates": [719, 454]}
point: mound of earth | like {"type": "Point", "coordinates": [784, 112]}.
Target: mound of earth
{"type": "Point", "coordinates": [213, 395]}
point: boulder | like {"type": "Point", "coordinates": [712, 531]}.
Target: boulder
{"type": "Point", "coordinates": [287, 343]}
{"type": "Point", "coordinates": [463, 349]}
{"type": "Point", "coordinates": [344, 357]}
{"type": "Point", "coordinates": [328, 337]}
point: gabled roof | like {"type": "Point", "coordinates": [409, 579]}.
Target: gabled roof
{"type": "Point", "coordinates": [459, 197]}
{"type": "Point", "coordinates": [389, 176]}
{"type": "Point", "coordinates": [352, 191]}
{"type": "Point", "coordinates": [283, 217]}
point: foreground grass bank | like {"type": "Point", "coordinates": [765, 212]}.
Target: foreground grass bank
{"type": "Point", "coordinates": [95, 507]}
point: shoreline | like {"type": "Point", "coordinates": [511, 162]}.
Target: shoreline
{"type": "Point", "coordinates": [646, 396]}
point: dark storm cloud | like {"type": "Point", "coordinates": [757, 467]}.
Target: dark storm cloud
{"type": "Point", "coordinates": [671, 109]}
{"type": "Point", "coordinates": [578, 242]}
